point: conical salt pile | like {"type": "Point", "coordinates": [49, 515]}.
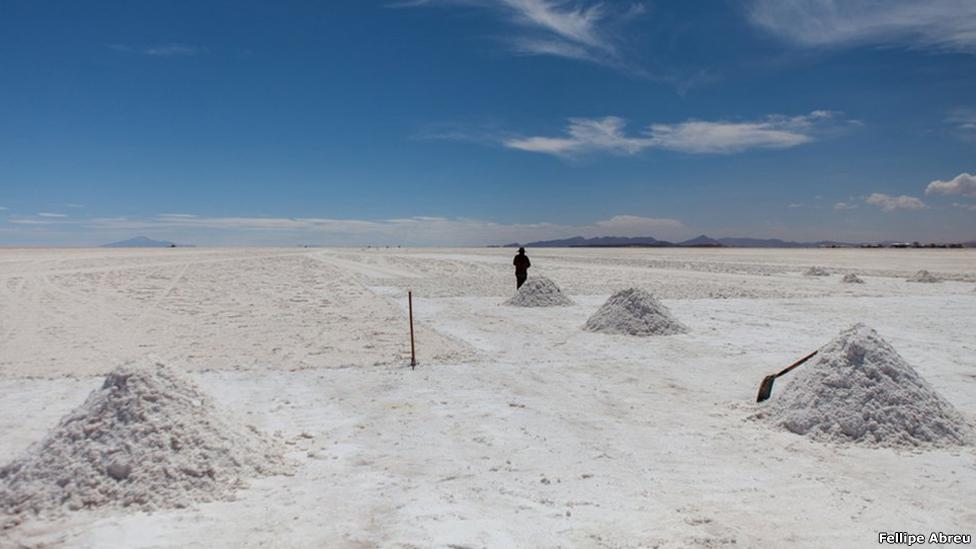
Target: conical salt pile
{"type": "Point", "coordinates": [634, 312]}
{"type": "Point", "coordinates": [859, 389]}
{"type": "Point", "coordinates": [148, 439]}
{"type": "Point", "coordinates": [816, 271]}
{"type": "Point", "coordinates": [539, 292]}
{"type": "Point", "coordinates": [923, 276]}
{"type": "Point", "coordinates": [851, 278]}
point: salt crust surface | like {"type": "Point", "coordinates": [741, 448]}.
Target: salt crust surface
{"type": "Point", "coordinates": [634, 312]}
{"type": "Point", "coordinates": [858, 389]}
{"type": "Point", "coordinates": [149, 439]}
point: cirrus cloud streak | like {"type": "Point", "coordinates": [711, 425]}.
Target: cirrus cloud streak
{"type": "Point", "coordinates": [608, 135]}
{"type": "Point", "coordinates": [584, 30]}
{"type": "Point", "coordinates": [945, 25]}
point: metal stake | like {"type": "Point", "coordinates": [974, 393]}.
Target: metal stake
{"type": "Point", "coordinates": [413, 351]}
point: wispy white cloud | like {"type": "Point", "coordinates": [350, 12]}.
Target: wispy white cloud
{"type": "Point", "coordinates": [840, 206]}
{"type": "Point", "coordinates": [946, 25]}
{"type": "Point", "coordinates": [970, 207]}
{"type": "Point", "coordinates": [634, 225]}
{"type": "Point", "coordinates": [963, 184]}
{"type": "Point", "coordinates": [33, 221]}
{"type": "Point", "coordinates": [162, 50]}
{"type": "Point", "coordinates": [583, 30]}
{"type": "Point", "coordinates": [963, 120]}
{"type": "Point", "coordinates": [42, 218]}
{"type": "Point", "coordinates": [586, 135]}
{"type": "Point", "coordinates": [773, 132]}
{"type": "Point", "coordinates": [889, 203]}
{"type": "Point", "coordinates": [419, 230]}
{"type": "Point", "coordinates": [3, 209]}
{"type": "Point", "coordinates": [961, 123]}
{"type": "Point", "coordinates": [481, 133]}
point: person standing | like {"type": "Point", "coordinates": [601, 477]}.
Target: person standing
{"type": "Point", "coordinates": [522, 265]}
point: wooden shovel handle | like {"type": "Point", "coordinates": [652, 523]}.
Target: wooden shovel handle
{"type": "Point", "coordinates": [797, 363]}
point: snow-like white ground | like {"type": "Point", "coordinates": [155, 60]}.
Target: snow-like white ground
{"type": "Point", "coordinates": [518, 429]}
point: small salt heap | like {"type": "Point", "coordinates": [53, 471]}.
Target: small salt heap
{"type": "Point", "coordinates": [858, 389]}
{"type": "Point", "coordinates": [924, 276]}
{"type": "Point", "coordinates": [147, 439]}
{"type": "Point", "coordinates": [816, 271]}
{"type": "Point", "coordinates": [539, 292]}
{"type": "Point", "coordinates": [634, 312]}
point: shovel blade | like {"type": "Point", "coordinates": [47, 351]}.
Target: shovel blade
{"type": "Point", "coordinates": [766, 388]}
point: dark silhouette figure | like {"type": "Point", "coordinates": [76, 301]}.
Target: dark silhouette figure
{"type": "Point", "coordinates": [522, 265]}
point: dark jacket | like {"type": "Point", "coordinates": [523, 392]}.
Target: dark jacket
{"type": "Point", "coordinates": [521, 263]}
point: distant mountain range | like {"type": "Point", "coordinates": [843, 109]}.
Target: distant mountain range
{"type": "Point", "coordinates": [579, 241]}
{"type": "Point", "coordinates": [701, 241]}
{"type": "Point", "coordinates": [140, 242]}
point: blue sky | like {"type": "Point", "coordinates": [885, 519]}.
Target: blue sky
{"type": "Point", "coordinates": [486, 121]}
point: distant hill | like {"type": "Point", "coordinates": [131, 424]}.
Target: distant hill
{"type": "Point", "coordinates": [702, 241]}
{"type": "Point", "coordinates": [761, 243]}
{"type": "Point", "coordinates": [777, 243]}
{"type": "Point", "coordinates": [140, 242]}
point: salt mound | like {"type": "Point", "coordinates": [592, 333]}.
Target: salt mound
{"type": "Point", "coordinates": [634, 312]}
{"type": "Point", "coordinates": [860, 390]}
{"type": "Point", "coordinates": [924, 276]}
{"type": "Point", "coordinates": [539, 292]}
{"type": "Point", "coordinates": [851, 278]}
{"type": "Point", "coordinates": [147, 439]}
{"type": "Point", "coordinates": [816, 271]}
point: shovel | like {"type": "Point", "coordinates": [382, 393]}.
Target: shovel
{"type": "Point", "coordinates": [766, 387]}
